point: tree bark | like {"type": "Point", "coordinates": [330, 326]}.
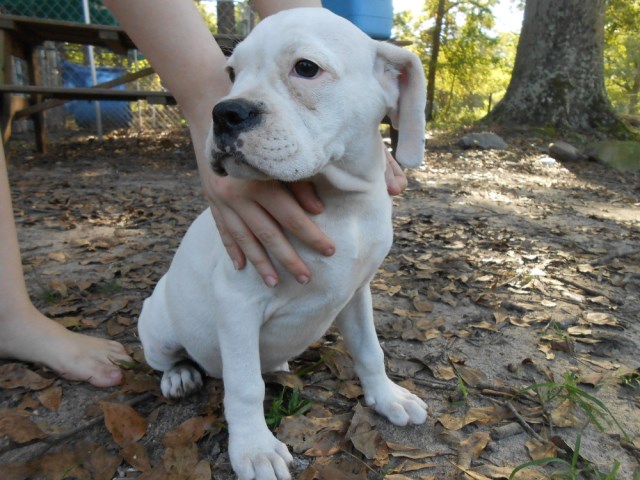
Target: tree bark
{"type": "Point", "coordinates": [433, 59]}
{"type": "Point", "coordinates": [558, 76]}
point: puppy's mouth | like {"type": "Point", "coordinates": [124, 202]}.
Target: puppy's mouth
{"type": "Point", "coordinates": [233, 162]}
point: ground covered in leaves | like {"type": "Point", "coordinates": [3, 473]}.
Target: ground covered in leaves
{"type": "Point", "coordinates": [509, 302]}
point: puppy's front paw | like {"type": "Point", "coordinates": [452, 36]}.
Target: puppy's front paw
{"type": "Point", "coordinates": [397, 403]}
{"type": "Point", "coordinates": [259, 457]}
{"type": "Point", "coordinates": [181, 380]}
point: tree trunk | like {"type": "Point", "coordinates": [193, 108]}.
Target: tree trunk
{"type": "Point", "coordinates": [433, 60]}
{"type": "Point", "coordinates": [558, 77]}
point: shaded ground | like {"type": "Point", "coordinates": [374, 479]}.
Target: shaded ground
{"type": "Point", "coordinates": [506, 273]}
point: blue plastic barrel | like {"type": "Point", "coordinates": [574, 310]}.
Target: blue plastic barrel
{"type": "Point", "coordinates": [374, 17]}
{"type": "Point", "coordinates": [114, 114]}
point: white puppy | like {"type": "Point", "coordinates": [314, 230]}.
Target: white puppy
{"type": "Point", "coordinates": [309, 92]}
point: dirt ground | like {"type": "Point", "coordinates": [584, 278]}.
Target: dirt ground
{"type": "Point", "coordinates": [509, 302]}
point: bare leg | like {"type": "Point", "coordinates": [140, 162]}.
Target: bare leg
{"type": "Point", "coordinates": [26, 334]}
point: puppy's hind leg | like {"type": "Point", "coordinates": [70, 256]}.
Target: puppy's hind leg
{"type": "Point", "coordinates": [180, 376]}
{"type": "Point", "coordinates": [181, 380]}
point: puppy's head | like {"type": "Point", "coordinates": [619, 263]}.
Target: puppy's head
{"type": "Point", "coordinates": [308, 89]}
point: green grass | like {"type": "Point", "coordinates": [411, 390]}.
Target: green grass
{"type": "Point", "coordinates": [573, 469]}
{"type": "Point", "coordinates": [109, 288]}
{"type": "Point", "coordinates": [288, 403]}
{"type": "Point", "coordinates": [597, 413]}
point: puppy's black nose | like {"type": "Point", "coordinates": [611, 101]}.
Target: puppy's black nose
{"type": "Point", "coordinates": [234, 116]}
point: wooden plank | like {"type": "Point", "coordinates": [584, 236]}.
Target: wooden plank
{"type": "Point", "coordinates": [35, 78]}
{"type": "Point", "coordinates": [86, 93]}
{"type": "Point", "coordinates": [46, 105]}
{"type": "Point", "coordinates": [6, 46]}
{"type": "Point", "coordinates": [37, 30]}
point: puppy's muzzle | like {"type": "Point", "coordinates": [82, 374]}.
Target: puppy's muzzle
{"type": "Point", "coordinates": [230, 119]}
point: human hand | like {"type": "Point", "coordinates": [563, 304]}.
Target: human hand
{"type": "Point", "coordinates": [396, 180]}
{"type": "Point", "coordinates": [251, 216]}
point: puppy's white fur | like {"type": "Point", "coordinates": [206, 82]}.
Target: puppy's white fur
{"type": "Point", "coordinates": [324, 129]}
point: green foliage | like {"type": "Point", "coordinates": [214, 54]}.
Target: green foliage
{"type": "Point", "coordinates": [51, 297]}
{"type": "Point", "coordinates": [109, 288]}
{"type": "Point", "coordinates": [288, 403]}
{"type": "Point", "coordinates": [462, 392]}
{"type": "Point", "coordinates": [622, 55]}
{"type": "Point", "coordinates": [596, 411]}
{"type": "Point", "coordinates": [575, 467]}
{"type": "Point", "coordinates": [474, 63]}
{"type": "Point", "coordinates": [573, 470]}
{"type": "Point", "coordinates": [631, 380]}
{"type": "Point", "coordinates": [209, 13]}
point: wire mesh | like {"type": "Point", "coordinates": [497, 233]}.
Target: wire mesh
{"type": "Point", "coordinates": [68, 65]}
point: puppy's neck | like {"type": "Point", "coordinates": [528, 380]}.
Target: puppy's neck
{"type": "Point", "coordinates": [360, 170]}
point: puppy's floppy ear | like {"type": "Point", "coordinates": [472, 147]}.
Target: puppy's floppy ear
{"type": "Point", "coordinates": [400, 73]}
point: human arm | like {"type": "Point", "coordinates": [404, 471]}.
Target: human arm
{"type": "Point", "coordinates": [250, 215]}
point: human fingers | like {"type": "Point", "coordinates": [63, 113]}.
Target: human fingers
{"type": "Point", "coordinates": [243, 230]}
{"type": "Point", "coordinates": [394, 176]}
{"type": "Point", "coordinates": [233, 250]}
{"type": "Point", "coordinates": [305, 194]}
{"type": "Point", "coordinates": [252, 215]}
{"type": "Point", "coordinates": [288, 211]}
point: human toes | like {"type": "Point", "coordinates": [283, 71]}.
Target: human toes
{"type": "Point", "coordinates": [95, 360]}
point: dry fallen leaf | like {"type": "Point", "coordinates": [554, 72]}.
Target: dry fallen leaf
{"type": "Point", "coordinates": [326, 443]}
{"type": "Point", "coordinates": [413, 454]}
{"type": "Point", "coordinates": [547, 350]}
{"type": "Point", "coordinates": [590, 378]}
{"type": "Point", "coordinates": [191, 431]}
{"type": "Point", "coordinates": [366, 438]}
{"type": "Point", "coordinates": [18, 426]}
{"type": "Point", "coordinates": [63, 463]}
{"type": "Point", "coordinates": [125, 424]}
{"type": "Point", "coordinates": [563, 415]}
{"type": "Point", "coordinates": [302, 433]}
{"type": "Point", "coordinates": [600, 318]}
{"type": "Point", "coordinates": [478, 415]}
{"type": "Point", "coordinates": [538, 450]}
{"type": "Point", "coordinates": [338, 361]}
{"type": "Point", "coordinates": [422, 305]}
{"type": "Point", "coordinates": [471, 447]}
{"type": "Point", "coordinates": [50, 398]}
{"type": "Point", "coordinates": [471, 376]}
{"type": "Point", "coordinates": [99, 461]}
{"type": "Point", "coordinates": [335, 468]}
{"type": "Point", "coordinates": [18, 375]}
{"type": "Point", "coordinates": [138, 382]}
{"type": "Point", "coordinates": [502, 473]}
{"type": "Point", "coordinates": [182, 463]}
{"type": "Point", "coordinates": [411, 466]}
{"type": "Point", "coordinates": [136, 455]}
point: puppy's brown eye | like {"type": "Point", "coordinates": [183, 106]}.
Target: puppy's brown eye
{"type": "Point", "coordinates": [232, 74]}
{"type": "Point", "coordinates": [306, 68]}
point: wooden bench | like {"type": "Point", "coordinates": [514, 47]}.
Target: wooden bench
{"type": "Point", "coordinates": [19, 37]}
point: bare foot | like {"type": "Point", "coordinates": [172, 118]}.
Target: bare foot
{"type": "Point", "coordinates": [32, 337]}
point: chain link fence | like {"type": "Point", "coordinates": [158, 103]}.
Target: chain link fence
{"type": "Point", "coordinates": [73, 65]}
